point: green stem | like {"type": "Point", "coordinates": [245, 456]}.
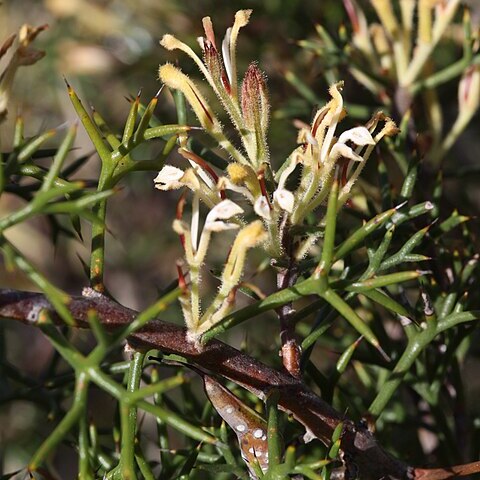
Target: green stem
{"type": "Point", "coordinates": [273, 431]}
{"type": "Point", "coordinates": [97, 258]}
{"type": "Point", "coordinates": [67, 423]}
{"type": "Point", "coordinates": [330, 227]}
{"type": "Point", "coordinates": [128, 415]}
{"type": "Point", "coordinates": [415, 346]}
{"type": "Point", "coordinates": [84, 466]}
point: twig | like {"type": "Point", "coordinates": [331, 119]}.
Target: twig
{"type": "Point", "coordinates": [362, 453]}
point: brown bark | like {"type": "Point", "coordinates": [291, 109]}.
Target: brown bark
{"type": "Point", "coordinates": [362, 455]}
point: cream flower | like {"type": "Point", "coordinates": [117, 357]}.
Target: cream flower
{"type": "Point", "coordinates": [169, 178]}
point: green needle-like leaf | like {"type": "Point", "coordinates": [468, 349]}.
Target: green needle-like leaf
{"type": "Point", "coordinates": [359, 235]}
{"type": "Point", "coordinates": [95, 136]}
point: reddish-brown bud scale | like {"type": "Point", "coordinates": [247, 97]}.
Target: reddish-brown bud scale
{"type": "Point", "coordinates": [226, 83]}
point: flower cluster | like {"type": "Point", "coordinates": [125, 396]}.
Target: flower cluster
{"type": "Point", "coordinates": [399, 49]}
{"type": "Point", "coordinates": [249, 178]}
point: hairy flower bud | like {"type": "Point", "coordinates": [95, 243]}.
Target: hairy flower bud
{"type": "Point", "coordinates": [214, 64]}
{"type": "Point", "coordinates": [244, 175]}
{"type": "Point", "coordinates": [255, 105]}
{"type": "Point", "coordinates": [176, 79]}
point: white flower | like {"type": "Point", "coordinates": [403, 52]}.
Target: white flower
{"type": "Point", "coordinates": [360, 136]}
{"type": "Point", "coordinates": [282, 197]}
{"type": "Point", "coordinates": [169, 178]}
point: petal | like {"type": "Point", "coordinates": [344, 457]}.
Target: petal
{"type": "Point", "coordinates": [284, 199]}
{"type": "Point", "coordinates": [224, 210]}
{"type": "Point", "coordinates": [342, 150]}
{"type": "Point", "coordinates": [262, 208]}
{"type": "Point", "coordinates": [226, 54]}
{"type": "Point", "coordinates": [225, 184]}
{"type": "Point", "coordinates": [220, 226]}
{"type": "Point", "coordinates": [359, 136]}
{"type": "Point", "coordinates": [169, 178]}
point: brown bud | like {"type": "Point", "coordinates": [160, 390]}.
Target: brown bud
{"type": "Point", "coordinates": [291, 354]}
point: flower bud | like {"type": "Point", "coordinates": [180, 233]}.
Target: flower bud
{"type": "Point", "coordinates": [244, 175]}
{"type": "Point", "coordinates": [174, 78]}
{"type": "Point", "coordinates": [238, 173]}
{"type": "Point", "coordinates": [250, 236]}
{"type": "Point", "coordinates": [255, 105]}
{"type": "Point", "coordinates": [214, 64]}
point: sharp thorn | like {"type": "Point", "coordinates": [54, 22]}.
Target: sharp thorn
{"type": "Point", "coordinates": [159, 91]}
{"type": "Point", "coordinates": [398, 207]}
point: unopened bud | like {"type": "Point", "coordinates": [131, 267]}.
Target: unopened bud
{"type": "Point", "coordinates": [214, 64]}
{"type": "Point", "coordinates": [255, 105]}
{"type": "Point", "coordinates": [176, 79]}
{"type": "Point", "coordinates": [238, 173]}
{"type": "Point", "coordinates": [244, 175]}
